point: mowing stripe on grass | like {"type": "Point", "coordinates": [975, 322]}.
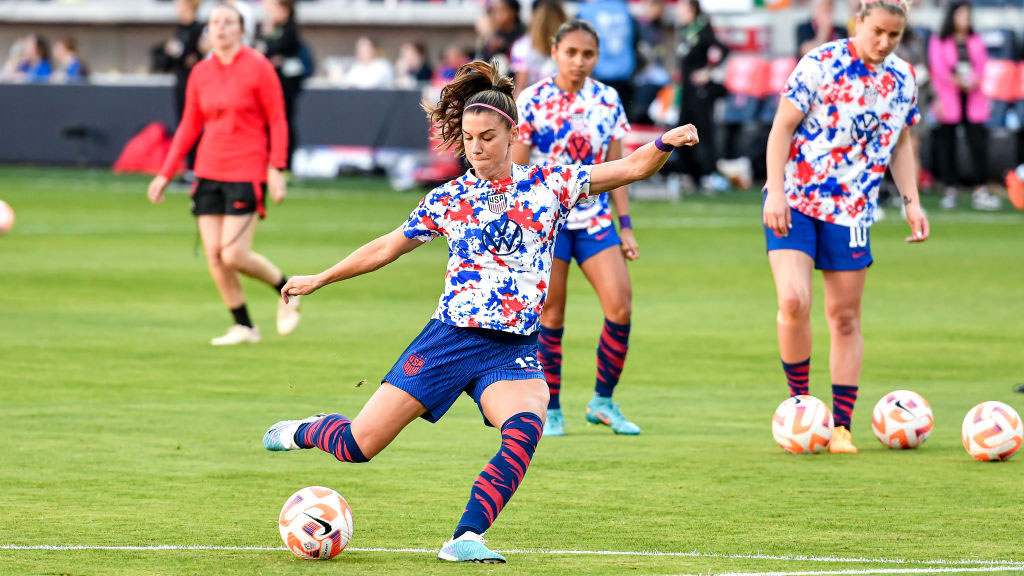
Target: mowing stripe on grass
{"type": "Point", "coordinates": [1010, 564]}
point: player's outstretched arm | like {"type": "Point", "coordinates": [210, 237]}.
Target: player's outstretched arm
{"type": "Point", "coordinates": [642, 163]}
{"type": "Point", "coordinates": [904, 173]}
{"type": "Point", "coordinates": [369, 257]}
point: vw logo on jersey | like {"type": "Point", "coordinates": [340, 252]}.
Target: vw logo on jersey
{"type": "Point", "coordinates": [865, 125]}
{"type": "Point", "coordinates": [497, 202]}
{"type": "Point", "coordinates": [503, 237]}
{"type": "Point", "coordinates": [579, 149]}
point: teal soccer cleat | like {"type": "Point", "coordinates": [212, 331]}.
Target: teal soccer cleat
{"type": "Point", "coordinates": [281, 436]}
{"type": "Point", "coordinates": [601, 410]}
{"type": "Point", "coordinates": [469, 548]}
{"type": "Point", "coordinates": [554, 425]}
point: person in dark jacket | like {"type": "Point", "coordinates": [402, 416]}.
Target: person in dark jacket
{"type": "Point", "coordinates": [281, 44]}
{"type": "Point", "coordinates": [179, 54]}
{"type": "Point", "coordinates": [698, 52]}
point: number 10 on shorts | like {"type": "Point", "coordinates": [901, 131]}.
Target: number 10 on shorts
{"type": "Point", "coordinates": [858, 237]}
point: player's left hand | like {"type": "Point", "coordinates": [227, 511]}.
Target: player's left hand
{"type": "Point", "coordinates": [300, 286]}
{"type": "Point", "coordinates": [918, 223]}
{"type": "Point", "coordinates": [681, 136]}
{"type": "Point", "coordinates": [630, 249]}
{"type": "Point", "coordinates": [276, 185]}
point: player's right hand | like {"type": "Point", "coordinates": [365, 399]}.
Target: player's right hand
{"type": "Point", "coordinates": [156, 189]}
{"type": "Point", "coordinates": [776, 214]}
{"type": "Point", "coordinates": [300, 286]}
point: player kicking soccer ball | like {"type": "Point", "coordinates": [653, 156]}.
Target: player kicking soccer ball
{"type": "Point", "coordinates": [501, 221]}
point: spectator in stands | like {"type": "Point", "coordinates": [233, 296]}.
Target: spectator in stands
{"type": "Point", "coordinates": [370, 70]}
{"type": "Point", "coordinates": [651, 74]}
{"type": "Point", "coordinates": [957, 59]}
{"type": "Point", "coordinates": [69, 65]}
{"type": "Point", "coordinates": [249, 21]}
{"type": "Point", "coordinates": [281, 44]}
{"type": "Point", "coordinates": [699, 52]}
{"type": "Point", "coordinates": [819, 29]}
{"type": "Point", "coordinates": [531, 54]}
{"type": "Point", "coordinates": [455, 55]}
{"type": "Point", "coordinates": [618, 32]}
{"type": "Point", "coordinates": [179, 54]}
{"type": "Point", "coordinates": [503, 28]}
{"type": "Point", "coordinates": [412, 69]}
{"type": "Point", "coordinates": [29, 60]}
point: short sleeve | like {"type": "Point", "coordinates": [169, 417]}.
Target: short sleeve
{"type": "Point", "coordinates": [802, 85]}
{"type": "Point", "coordinates": [570, 183]}
{"type": "Point", "coordinates": [526, 118]}
{"type": "Point", "coordinates": [914, 114]}
{"type": "Point", "coordinates": [621, 125]}
{"type": "Point", "coordinates": [423, 224]}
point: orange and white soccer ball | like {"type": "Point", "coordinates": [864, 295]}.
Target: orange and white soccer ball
{"type": "Point", "coordinates": [902, 419]}
{"type": "Point", "coordinates": [316, 523]}
{"type": "Point", "coordinates": [802, 425]}
{"type": "Point", "coordinates": [6, 217]}
{"type": "Point", "coordinates": [992, 431]}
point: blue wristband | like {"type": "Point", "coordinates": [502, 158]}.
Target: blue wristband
{"type": "Point", "coordinates": [662, 146]}
{"type": "Point", "coordinates": [625, 222]}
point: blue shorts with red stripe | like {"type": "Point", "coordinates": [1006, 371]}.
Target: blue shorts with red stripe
{"type": "Point", "coordinates": [444, 361]}
{"type": "Point", "coordinates": [581, 245]}
{"type": "Point", "coordinates": [831, 246]}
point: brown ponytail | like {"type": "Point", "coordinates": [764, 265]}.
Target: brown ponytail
{"type": "Point", "coordinates": [475, 82]}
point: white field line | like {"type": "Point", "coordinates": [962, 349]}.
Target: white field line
{"type": "Point", "coordinates": [1017, 568]}
{"type": "Point", "coordinates": [1014, 564]}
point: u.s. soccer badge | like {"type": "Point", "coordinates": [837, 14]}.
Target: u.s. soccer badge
{"type": "Point", "coordinates": [497, 202]}
{"type": "Point", "coordinates": [870, 95]}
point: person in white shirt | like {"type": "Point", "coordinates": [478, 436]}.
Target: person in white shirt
{"type": "Point", "coordinates": [370, 70]}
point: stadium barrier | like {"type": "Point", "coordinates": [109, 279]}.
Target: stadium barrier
{"type": "Point", "coordinates": [90, 124]}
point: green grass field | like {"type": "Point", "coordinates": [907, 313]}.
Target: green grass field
{"type": "Point", "coordinates": [121, 426]}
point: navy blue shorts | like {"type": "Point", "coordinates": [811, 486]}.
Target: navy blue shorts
{"type": "Point", "coordinates": [581, 245]}
{"type": "Point", "coordinates": [831, 246]}
{"type": "Point", "coordinates": [444, 361]}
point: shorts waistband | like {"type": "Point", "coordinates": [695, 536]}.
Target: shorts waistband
{"type": "Point", "coordinates": [503, 337]}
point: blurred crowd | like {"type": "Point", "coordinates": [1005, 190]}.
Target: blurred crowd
{"type": "Point", "coordinates": [669, 62]}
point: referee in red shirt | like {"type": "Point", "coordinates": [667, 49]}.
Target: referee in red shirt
{"type": "Point", "coordinates": [234, 100]}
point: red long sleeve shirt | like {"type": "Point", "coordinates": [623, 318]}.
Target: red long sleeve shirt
{"type": "Point", "coordinates": [239, 110]}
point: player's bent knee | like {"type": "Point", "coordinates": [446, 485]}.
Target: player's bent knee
{"type": "Point", "coordinates": [844, 322]}
{"type": "Point", "coordinates": [552, 317]}
{"type": "Point", "coordinates": [621, 313]}
{"type": "Point", "coordinates": [794, 307]}
{"type": "Point", "coordinates": [232, 258]}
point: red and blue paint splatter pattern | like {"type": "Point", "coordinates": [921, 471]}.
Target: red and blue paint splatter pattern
{"type": "Point", "coordinates": [572, 129]}
{"type": "Point", "coordinates": [501, 237]}
{"type": "Point", "coordinates": [854, 113]}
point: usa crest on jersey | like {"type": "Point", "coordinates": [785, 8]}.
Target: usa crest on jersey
{"type": "Point", "coordinates": [497, 202]}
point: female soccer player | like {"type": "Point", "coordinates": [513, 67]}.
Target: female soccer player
{"type": "Point", "coordinates": [839, 127]}
{"type": "Point", "coordinates": [234, 99]}
{"type": "Point", "coordinates": [500, 220]}
{"type": "Point", "coordinates": [571, 119]}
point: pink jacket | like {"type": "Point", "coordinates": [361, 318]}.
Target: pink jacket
{"type": "Point", "coordinates": [942, 60]}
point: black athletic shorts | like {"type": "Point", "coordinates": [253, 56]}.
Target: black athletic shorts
{"type": "Point", "coordinates": [232, 198]}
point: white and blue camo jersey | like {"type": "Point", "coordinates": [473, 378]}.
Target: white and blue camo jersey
{"type": "Point", "coordinates": [854, 114]}
{"type": "Point", "coordinates": [501, 237]}
{"type": "Point", "coordinates": [572, 129]}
